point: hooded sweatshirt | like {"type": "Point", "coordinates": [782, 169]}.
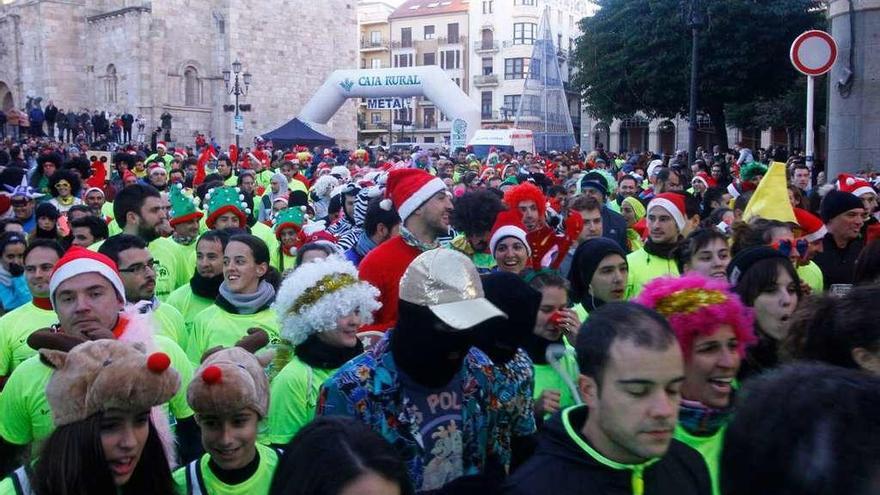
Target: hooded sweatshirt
{"type": "Point", "coordinates": [567, 463]}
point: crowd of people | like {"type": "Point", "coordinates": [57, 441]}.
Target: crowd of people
{"type": "Point", "coordinates": [325, 321]}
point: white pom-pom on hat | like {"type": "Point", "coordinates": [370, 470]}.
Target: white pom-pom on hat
{"type": "Point", "coordinates": [385, 204]}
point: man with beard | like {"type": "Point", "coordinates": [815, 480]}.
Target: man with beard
{"type": "Point", "coordinates": [184, 220]}
{"type": "Point", "coordinates": [425, 207]}
{"type": "Point", "coordinates": [137, 268]}
{"type": "Point", "coordinates": [190, 299]}
{"type": "Point", "coordinates": [94, 198]}
{"type": "Point", "coordinates": [423, 387]}
{"type": "Point", "coordinates": [620, 440]}
{"type": "Point", "coordinates": [88, 297]}
{"type": "Point", "coordinates": [473, 218]}
{"type": "Point", "coordinates": [139, 210]}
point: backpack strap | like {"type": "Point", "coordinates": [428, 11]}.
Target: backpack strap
{"type": "Point", "coordinates": [195, 483]}
{"type": "Point", "coordinates": [21, 482]}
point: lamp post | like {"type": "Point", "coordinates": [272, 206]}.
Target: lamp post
{"type": "Point", "coordinates": [695, 22]}
{"type": "Point", "coordinates": [236, 88]}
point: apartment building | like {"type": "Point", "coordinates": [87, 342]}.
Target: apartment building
{"type": "Point", "coordinates": [375, 53]}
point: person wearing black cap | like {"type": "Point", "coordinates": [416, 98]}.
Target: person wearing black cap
{"type": "Point", "coordinates": [843, 214]}
{"type": "Point", "coordinates": [767, 282]}
{"type": "Point", "coordinates": [613, 224]}
{"type": "Point", "coordinates": [598, 275]}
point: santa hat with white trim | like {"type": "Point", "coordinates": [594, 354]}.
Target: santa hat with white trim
{"type": "Point", "coordinates": [812, 226]}
{"type": "Point", "coordinates": [78, 260]}
{"type": "Point", "coordinates": [161, 146]}
{"type": "Point", "coordinates": [408, 189]}
{"type": "Point", "coordinates": [854, 185]}
{"type": "Point", "coordinates": [508, 223]}
{"type": "Point", "coordinates": [674, 204]}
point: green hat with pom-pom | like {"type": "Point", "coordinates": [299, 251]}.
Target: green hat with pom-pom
{"type": "Point", "coordinates": [289, 217]}
{"type": "Point", "coordinates": [183, 207]}
{"type": "Point", "coordinates": [226, 199]}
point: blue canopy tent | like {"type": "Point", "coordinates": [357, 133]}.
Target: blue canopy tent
{"type": "Point", "coordinates": [297, 132]}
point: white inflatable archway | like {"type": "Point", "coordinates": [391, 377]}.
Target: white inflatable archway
{"type": "Point", "coordinates": [429, 81]}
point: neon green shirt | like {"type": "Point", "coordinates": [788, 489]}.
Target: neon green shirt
{"type": "Point", "coordinates": [171, 324]}
{"type": "Point", "coordinates": [812, 275]}
{"type": "Point", "coordinates": [710, 448]}
{"type": "Point", "coordinates": [294, 394]}
{"type": "Point", "coordinates": [215, 326]}
{"type": "Point", "coordinates": [188, 304]}
{"type": "Point", "coordinates": [15, 327]}
{"type": "Point", "coordinates": [258, 484]}
{"type": "Point", "coordinates": [546, 378]}
{"type": "Point", "coordinates": [266, 234]}
{"type": "Point", "coordinates": [582, 313]}
{"type": "Point", "coordinates": [27, 417]}
{"type": "Point", "coordinates": [644, 267]}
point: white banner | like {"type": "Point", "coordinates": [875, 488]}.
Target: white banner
{"type": "Point", "coordinates": [388, 103]}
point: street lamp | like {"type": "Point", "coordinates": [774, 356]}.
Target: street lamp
{"type": "Point", "coordinates": [236, 88]}
{"type": "Point", "coordinates": [695, 22]}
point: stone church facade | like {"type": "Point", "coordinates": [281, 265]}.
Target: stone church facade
{"type": "Point", "coordinates": [148, 57]}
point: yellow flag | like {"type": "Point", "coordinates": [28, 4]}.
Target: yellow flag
{"type": "Point", "coordinates": [770, 199]}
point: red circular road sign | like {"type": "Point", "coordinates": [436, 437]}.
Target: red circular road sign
{"type": "Point", "coordinates": [813, 53]}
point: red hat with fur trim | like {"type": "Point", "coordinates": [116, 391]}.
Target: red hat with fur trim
{"type": "Point", "coordinates": [674, 204]}
{"type": "Point", "coordinates": [78, 260]}
{"type": "Point", "coordinates": [409, 188]}
{"type": "Point", "coordinates": [508, 223]}
{"type": "Point", "coordinates": [812, 226]}
{"type": "Point", "coordinates": [854, 185]}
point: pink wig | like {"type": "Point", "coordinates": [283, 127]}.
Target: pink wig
{"type": "Point", "coordinates": [525, 192]}
{"type": "Point", "coordinates": [695, 305]}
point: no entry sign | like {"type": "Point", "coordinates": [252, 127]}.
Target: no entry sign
{"type": "Point", "coordinates": [813, 53]}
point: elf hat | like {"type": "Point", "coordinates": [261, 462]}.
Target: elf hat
{"type": "Point", "coordinates": [229, 380]}
{"type": "Point", "coordinates": [408, 189]}
{"type": "Point", "coordinates": [674, 204]}
{"type": "Point", "coordinates": [226, 199]}
{"type": "Point", "coordinates": [289, 218]}
{"type": "Point", "coordinates": [78, 260]}
{"type": "Point", "coordinates": [183, 208]}
{"type": "Point", "coordinates": [854, 185]}
{"type": "Point", "coordinates": [161, 146]}
{"type": "Point", "coordinates": [811, 225]}
{"type": "Point", "coordinates": [315, 295]}
{"type": "Point", "coordinates": [105, 374]}
{"type": "Point", "coordinates": [508, 223]}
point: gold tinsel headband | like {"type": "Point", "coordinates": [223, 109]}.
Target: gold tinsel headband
{"type": "Point", "coordinates": [689, 301]}
{"type": "Point", "coordinates": [326, 285]}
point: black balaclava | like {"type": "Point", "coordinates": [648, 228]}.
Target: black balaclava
{"type": "Point", "coordinates": [426, 349]}
{"type": "Point", "coordinates": [584, 263]}
{"type": "Point", "coordinates": [500, 338]}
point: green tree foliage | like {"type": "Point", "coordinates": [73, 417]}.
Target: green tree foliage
{"type": "Point", "coordinates": [635, 55]}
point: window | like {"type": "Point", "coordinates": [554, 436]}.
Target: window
{"type": "Point", "coordinates": [487, 66]}
{"type": "Point", "coordinates": [452, 32]}
{"type": "Point", "coordinates": [511, 104]}
{"type": "Point", "coordinates": [430, 59]}
{"type": "Point", "coordinates": [403, 114]}
{"type": "Point", "coordinates": [376, 117]}
{"type": "Point", "coordinates": [486, 104]}
{"type": "Point", "coordinates": [429, 32]}
{"type": "Point", "coordinates": [403, 60]}
{"type": "Point", "coordinates": [375, 37]}
{"type": "Point", "coordinates": [516, 68]}
{"type": "Point", "coordinates": [450, 59]}
{"type": "Point", "coordinates": [487, 39]}
{"type": "Point", "coordinates": [429, 139]}
{"type": "Point", "coordinates": [110, 84]}
{"type": "Point", "coordinates": [487, 6]}
{"type": "Point", "coordinates": [406, 37]}
{"type": "Point", "coordinates": [428, 120]}
{"type": "Point", "coordinates": [524, 33]}
{"type": "Point", "coordinates": [376, 63]}
{"type": "Point", "coordinates": [523, 2]}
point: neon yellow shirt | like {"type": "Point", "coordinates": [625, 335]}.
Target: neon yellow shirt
{"type": "Point", "coordinates": [812, 275]}
{"type": "Point", "coordinates": [171, 324]}
{"type": "Point", "coordinates": [215, 326]}
{"type": "Point", "coordinates": [710, 448]}
{"type": "Point", "coordinates": [258, 484]}
{"type": "Point", "coordinates": [15, 327]}
{"type": "Point", "coordinates": [644, 267]}
{"type": "Point", "coordinates": [27, 417]}
{"type": "Point", "coordinates": [294, 394]}
{"type": "Point", "coordinates": [266, 234]}
{"type": "Point", "coordinates": [189, 305]}
{"type": "Point", "coordinates": [546, 378]}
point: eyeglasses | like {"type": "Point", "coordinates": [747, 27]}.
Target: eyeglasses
{"type": "Point", "coordinates": [140, 267]}
{"type": "Point", "coordinates": [786, 246]}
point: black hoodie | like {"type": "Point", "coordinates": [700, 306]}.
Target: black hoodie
{"type": "Point", "coordinates": [561, 464]}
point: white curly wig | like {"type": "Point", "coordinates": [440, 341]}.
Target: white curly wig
{"type": "Point", "coordinates": [303, 309]}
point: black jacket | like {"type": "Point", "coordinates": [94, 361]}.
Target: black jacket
{"type": "Point", "coordinates": [838, 265]}
{"type": "Point", "coordinates": [614, 227]}
{"type": "Point", "coordinates": [560, 465]}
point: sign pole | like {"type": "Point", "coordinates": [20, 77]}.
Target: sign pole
{"type": "Point", "coordinates": [809, 131]}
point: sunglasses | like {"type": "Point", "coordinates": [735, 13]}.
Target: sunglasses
{"type": "Point", "coordinates": [787, 247]}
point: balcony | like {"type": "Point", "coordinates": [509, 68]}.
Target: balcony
{"type": "Point", "coordinates": [401, 44]}
{"type": "Point", "coordinates": [482, 81]}
{"type": "Point", "coordinates": [369, 45]}
{"type": "Point", "coordinates": [514, 43]}
{"type": "Point", "coordinates": [443, 40]}
{"type": "Point", "coordinates": [486, 46]}
{"type": "Point", "coordinates": [498, 116]}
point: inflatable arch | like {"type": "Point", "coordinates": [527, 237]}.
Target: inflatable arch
{"type": "Point", "coordinates": [429, 81]}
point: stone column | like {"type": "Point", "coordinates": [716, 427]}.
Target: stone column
{"type": "Point", "coordinates": [854, 114]}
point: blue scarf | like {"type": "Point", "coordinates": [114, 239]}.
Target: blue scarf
{"type": "Point", "coordinates": [702, 421]}
{"type": "Point", "coordinates": [364, 244]}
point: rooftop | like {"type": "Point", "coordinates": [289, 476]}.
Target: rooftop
{"type": "Point", "coordinates": [418, 8]}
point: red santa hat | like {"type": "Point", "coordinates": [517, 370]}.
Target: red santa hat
{"type": "Point", "coordinates": [409, 188]}
{"type": "Point", "coordinates": [180, 153]}
{"type": "Point", "coordinates": [156, 167]}
{"type": "Point", "coordinates": [854, 185]}
{"type": "Point", "coordinates": [508, 223]}
{"type": "Point", "coordinates": [289, 157]}
{"type": "Point", "coordinates": [811, 225]}
{"type": "Point", "coordinates": [674, 204]}
{"type": "Point", "coordinates": [706, 179]}
{"type": "Point", "coordinates": [315, 232]}
{"type": "Point", "coordinates": [162, 146]}
{"type": "Point", "coordinates": [78, 260]}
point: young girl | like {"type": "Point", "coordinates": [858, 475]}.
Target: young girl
{"type": "Point", "coordinates": [47, 223]}
{"type": "Point", "coordinates": [243, 301]}
{"type": "Point", "coordinates": [320, 306]}
{"type": "Point", "coordinates": [230, 396]}
{"type": "Point", "coordinates": [101, 394]}
{"type": "Point", "coordinates": [705, 251]}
